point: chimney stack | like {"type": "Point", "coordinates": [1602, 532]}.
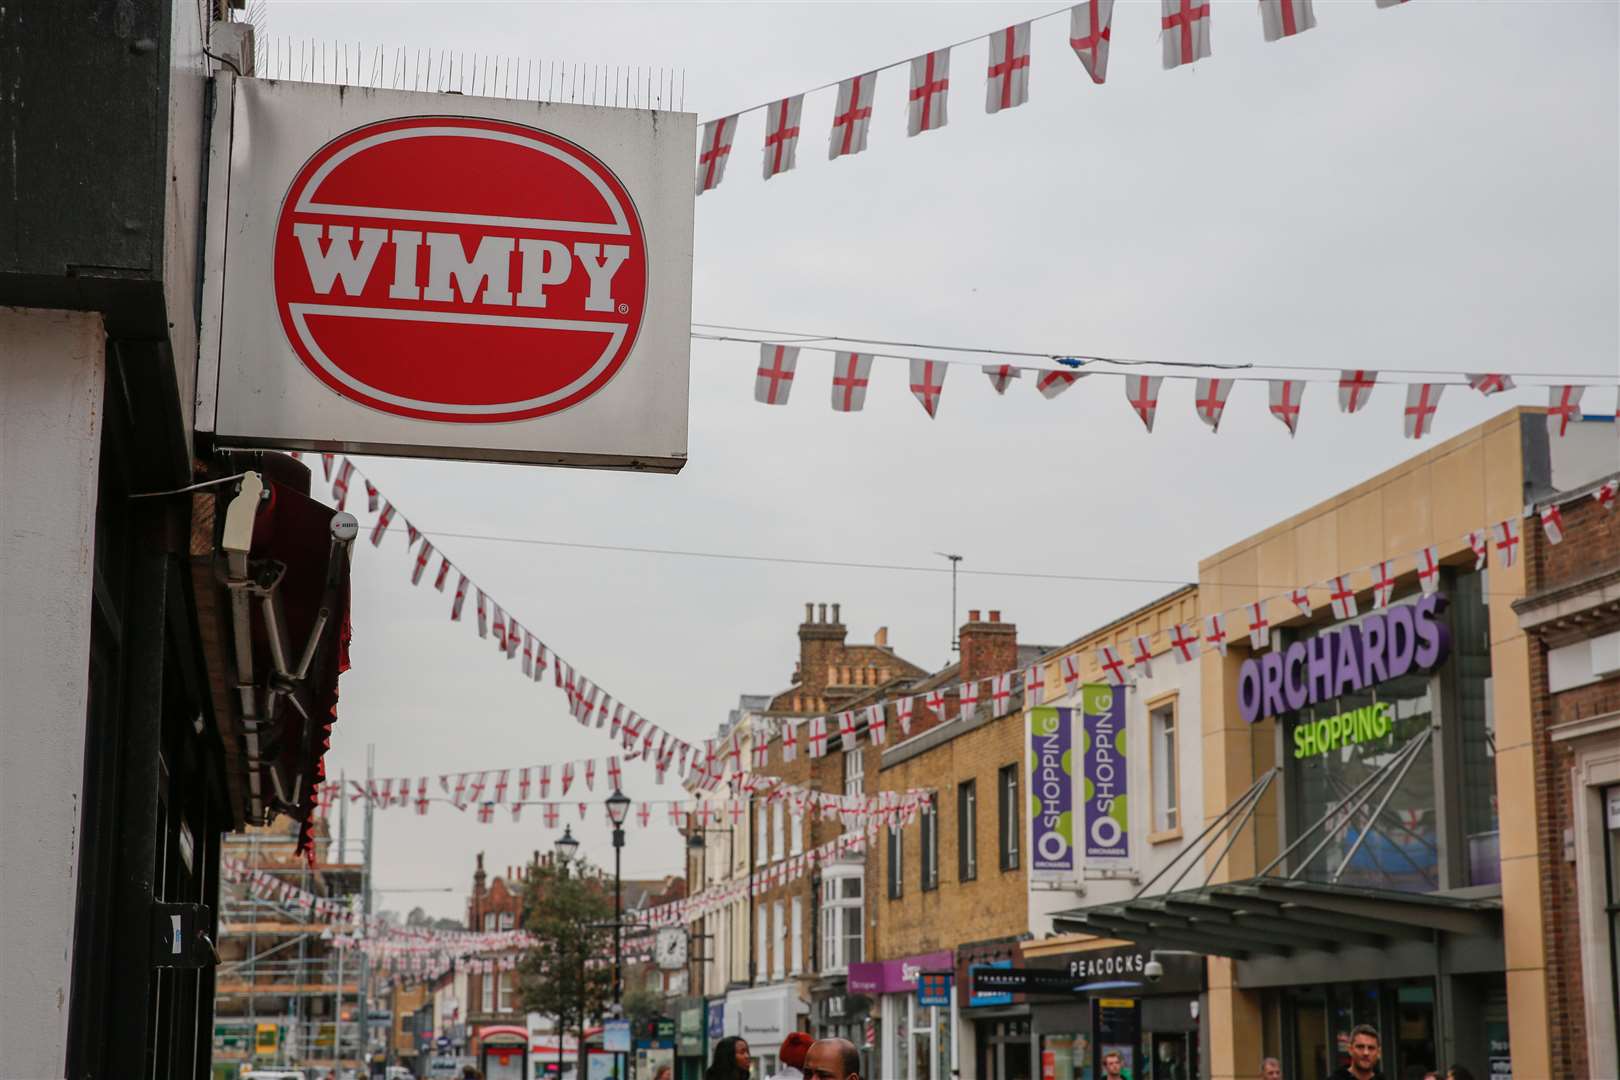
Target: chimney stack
{"type": "Point", "coordinates": [809, 614]}
{"type": "Point", "coordinates": [837, 620]}
{"type": "Point", "coordinates": [988, 648]}
{"type": "Point", "coordinates": [821, 648]}
{"type": "Point", "coordinates": [881, 637]}
{"type": "Point", "coordinates": [821, 613]}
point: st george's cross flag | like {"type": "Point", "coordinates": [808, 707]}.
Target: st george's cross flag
{"type": "Point", "coordinates": [1552, 520]}
{"type": "Point", "coordinates": [782, 134]}
{"type": "Point", "coordinates": [1285, 400]}
{"type": "Point", "coordinates": [852, 116]}
{"type": "Point", "coordinates": [773, 382]}
{"type": "Point", "coordinates": [714, 149]}
{"type": "Point", "coordinates": [1142, 391]}
{"type": "Point", "coordinates": [1215, 632]}
{"type": "Point", "coordinates": [1001, 375]}
{"type": "Point", "coordinates": [1355, 387]}
{"type": "Point", "coordinates": [1285, 18]}
{"type": "Point", "coordinates": [927, 384]}
{"type": "Point", "coordinates": [1209, 398]}
{"type": "Point", "coordinates": [851, 374]}
{"type": "Point", "coordinates": [1563, 408]}
{"type": "Point", "coordinates": [1007, 80]}
{"type": "Point", "coordinates": [1089, 35]}
{"type": "Point", "coordinates": [1487, 383]}
{"type": "Point", "coordinates": [1053, 383]}
{"type": "Point", "coordinates": [930, 83]}
{"type": "Point", "coordinates": [1428, 570]}
{"type": "Point", "coordinates": [1186, 31]}
{"type": "Point", "coordinates": [1422, 401]}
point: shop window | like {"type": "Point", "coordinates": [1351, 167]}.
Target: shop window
{"type": "Point", "coordinates": [930, 843]}
{"type": "Point", "coordinates": [1011, 822]}
{"type": "Point", "coordinates": [1165, 768]}
{"type": "Point", "coordinates": [843, 922]}
{"type": "Point", "coordinates": [778, 839]}
{"type": "Point", "coordinates": [897, 863]}
{"type": "Point", "coordinates": [854, 773]}
{"type": "Point", "coordinates": [967, 831]}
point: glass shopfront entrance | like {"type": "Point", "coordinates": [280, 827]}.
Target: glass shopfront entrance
{"type": "Point", "coordinates": [1318, 1020]}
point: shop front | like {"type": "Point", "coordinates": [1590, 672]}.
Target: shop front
{"type": "Point", "coordinates": [915, 1013]}
{"type": "Point", "coordinates": [836, 1012]}
{"type": "Point", "coordinates": [764, 1016]}
{"type": "Point", "coordinates": [1097, 999]}
{"type": "Point", "coordinates": [994, 1026]}
{"type": "Point", "coordinates": [690, 1048]}
{"type": "Point", "coordinates": [503, 1052]}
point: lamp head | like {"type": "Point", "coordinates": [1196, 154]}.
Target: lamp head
{"type": "Point", "coordinates": [618, 806]}
{"type": "Point", "coordinates": [567, 847]}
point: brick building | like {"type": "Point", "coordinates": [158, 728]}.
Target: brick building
{"type": "Point", "coordinates": [1572, 615]}
{"type": "Point", "coordinates": [492, 998]}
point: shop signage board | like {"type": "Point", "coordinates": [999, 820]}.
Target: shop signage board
{"type": "Point", "coordinates": [1116, 1028]}
{"type": "Point", "coordinates": [1345, 659]}
{"type": "Point", "coordinates": [990, 996]}
{"type": "Point", "coordinates": [419, 274]}
{"type": "Point", "coordinates": [896, 976]}
{"type": "Point", "coordinates": [1052, 794]}
{"type": "Point", "coordinates": [616, 1036]}
{"type": "Point", "coordinates": [934, 988]}
{"type": "Point", "coordinates": [1105, 775]}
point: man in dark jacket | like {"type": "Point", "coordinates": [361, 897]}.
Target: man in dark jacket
{"type": "Point", "coordinates": [1364, 1055]}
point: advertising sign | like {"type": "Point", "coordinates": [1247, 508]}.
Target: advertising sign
{"type": "Point", "coordinates": [408, 273]}
{"type": "Point", "coordinates": [1051, 789]}
{"type": "Point", "coordinates": [996, 996]}
{"type": "Point", "coordinates": [896, 976]}
{"type": "Point", "coordinates": [934, 988]}
{"type": "Point", "coordinates": [1116, 1029]}
{"type": "Point", "coordinates": [1107, 819]}
{"type": "Point", "coordinates": [616, 1036]}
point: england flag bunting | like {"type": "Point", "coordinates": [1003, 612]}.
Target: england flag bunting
{"type": "Point", "coordinates": [1286, 395]}
{"type": "Point", "coordinates": [1355, 387]}
{"type": "Point", "coordinates": [1142, 655]}
{"type": "Point", "coordinates": [968, 697]}
{"type": "Point", "coordinates": [1070, 667]}
{"type": "Point", "coordinates": [1477, 542]}
{"type": "Point", "coordinates": [1053, 383]}
{"type": "Point", "coordinates": [523, 785]}
{"type": "Point", "coordinates": [790, 740]}
{"type": "Point", "coordinates": [1506, 534]}
{"type": "Point", "coordinates": [326, 466]}
{"type": "Point", "coordinates": [1215, 632]}
{"type": "Point", "coordinates": [818, 736]}
{"type": "Point", "coordinates": [381, 526]}
{"type": "Point", "coordinates": [716, 148]}
{"type": "Point", "coordinates": [444, 573]}
{"type": "Point", "coordinates": [852, 116]}
{"type": "Point", "coordinates": [1001, 375]}
{"type": "Point", "coordinates": [340, 486]}
{"type": "Point", "coordinates": [423, 554]}
{"type": "Point", "coordinates": [1301, 597]}
{"type": "Point", "coordinates": [930, 81]}
{"type": "Point", "coordinates": [1552, 520]}
{"type": "Point", "coordinates": [590, 774]}
{"type": "Point", "coordinates": [1142, 391]}
{"type": "Point", "coordinates": [545, 781]}
{"type": "Point", "coordinates": [1034, 684]}
{"type": "Point", "coordinates": [1000, 693]}
{"type": "Point", "coordinates": [1605, 495]}
{"type": "Point", "coordinates": [762, 753]}
{"type": "Point", "coordinates": [1184, 640]}
{"type": "Point", "coordinates": [411, 533]}
{"type": "Point", "coordinates": [846, 728]}
{"type": "Point", "coordinates": [1259, 626]}
{"type": "Point", "coordinates": [1383, 578]}
{"type": "Point", "coordinates": [877, 723]}
{"type": "Point", "coordinates": [1186, 31]}
{"type": "Point", "coordinates": [1209, 396]}
{"type": "Point", "coordinates": [1285, 18]}
{"type": "Point", "coordinates": [1563, 408]}
{"type": "Point", "coordinates": [851, 374]}
{"type": "Point", "coordinates": [1422, 399]}
{"type": "Point", "coordinates": [1007, 80]}
{"type": "Point", "coordinates": [567, 777]}
{"type": "Point", "coordinates": [500, 785]}
{"type": "Point", "coordinates": [1108, 659]}
{"type": "Point", "coordinates": [371, 497]}
{"type": "Point", "coordinates": [1488, 384]}
{"type": "Point", "coordinates": [927, 383]}
{"type": "Point", "coordinates": [934, 702]}
{"type": "Point", "coordinates": [774, 380]}
{"type": "Point", "coordinates": [782, 135]}
{"type": "Point", "coordinates": [483, 615]}
{"type": "Point", "coordinates": [1089, 34]}
{"type": "Point", "coordinates": [902, 714]}
{"type": "Point", "coordinates": [1428, 570]}
{"type": "Point", "coordinates": [1343, 595]}
{"type": "Point", "coordinates": [528, 654]}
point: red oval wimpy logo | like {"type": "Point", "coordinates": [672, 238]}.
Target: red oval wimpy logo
{"type": "Point", "coordinates": [459, 269]}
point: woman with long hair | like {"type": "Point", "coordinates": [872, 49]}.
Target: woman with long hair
{"type": "Point", "coordinates": [731, 1060]}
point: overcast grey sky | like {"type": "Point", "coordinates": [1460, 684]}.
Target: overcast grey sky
{"type": "Point", "coordinates": [1431, 186]}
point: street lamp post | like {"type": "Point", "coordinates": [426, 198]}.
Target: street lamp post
{"type": "Point", "coordinates": [567, 847]}
{"type": "Point", "coordinates": [618, 807]}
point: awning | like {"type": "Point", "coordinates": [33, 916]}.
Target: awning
{"type": "Point", "coordinates": [1269, 916]}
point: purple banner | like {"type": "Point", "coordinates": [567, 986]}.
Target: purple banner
{"type": "Point", "coordinates": [1051, 790]}
{"type": "Point", "coordinates": [896, 976]}
{"type": "Point", "coordinates": [1107, 814]}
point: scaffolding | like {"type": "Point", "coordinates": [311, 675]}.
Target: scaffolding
{"type": "Point", "coordinates": [285, 994]}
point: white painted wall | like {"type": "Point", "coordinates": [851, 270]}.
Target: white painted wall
{"type": "Point", "coordinates": [51, 367]}
{"type": "Point", "coordinates": [1147, 859]}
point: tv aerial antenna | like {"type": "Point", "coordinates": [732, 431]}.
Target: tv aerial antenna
{"type": "Point", "coordinates": [956, 643]}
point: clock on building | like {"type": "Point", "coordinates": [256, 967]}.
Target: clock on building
{"type": "Point", "coordinates": [670, 947]}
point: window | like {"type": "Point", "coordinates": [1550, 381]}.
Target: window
{"type": "Point", "coordinates": [843, 923]}
{"type": "Point", "coordinates": [930, 843]}
{"type": "Point", "coordinates": [489, 920]}
{"type": "Point", "coordinates": [505, 983]}
{"type": "Point", "coordinates": [778, 841]}
{"type": "Point", "coordinates": [1012, 823]}
{"type": "Point", "coordinates": [779, 940]}
{"type": "Point", "coordinates": [796, 830]}
{"type": "Point", "coordinates": [897, 863]}
{"type": "Point", "coordinates": [967, 831]}
{"type": "Point", "coordinates": [854, 773]}
{"type": "Point", "coordinates": [1166, 769]}
{"type": "Point", "coordinates": [796, 953]}
{"type": "Point", "coordinates": [762, 835]}
{"type": "Point", "coordinates": [506, 920]}
{"type": "Point", "coordinates": [762, 951]}
{"type": "Point", "coordinates": [486, 999]}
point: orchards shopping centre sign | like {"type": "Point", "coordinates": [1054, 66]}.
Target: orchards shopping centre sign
{"type": "Point", "coordinates": [449, 276]}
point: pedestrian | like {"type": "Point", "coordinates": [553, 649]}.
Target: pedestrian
{"type": "Point", "coordinates": [1364, 1055]}
{"type": "Point", "coordinates": [1459, 1072]}
{"type": "Point", "coordinates": [1271, 1069]}
{"type": "Point", "coordinates": [731, 1060]}
{"type": "Point", "coordinates": [1113, 1065]}
{"type": "Point", "coordinates": [664, 1073]}
{"type": "Point", "coordinates": [470, 1072]}
{"type": "Point", "coordinates": [791, 1056]}
{"type": "Point", "coordinates": [832, 1059]}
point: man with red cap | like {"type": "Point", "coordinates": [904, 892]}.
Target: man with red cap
{"type": "Point", "coordinates": [791, 1056]}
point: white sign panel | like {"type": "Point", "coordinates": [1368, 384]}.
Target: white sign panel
{"type": "Point", "coordinates": [446, 276]}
